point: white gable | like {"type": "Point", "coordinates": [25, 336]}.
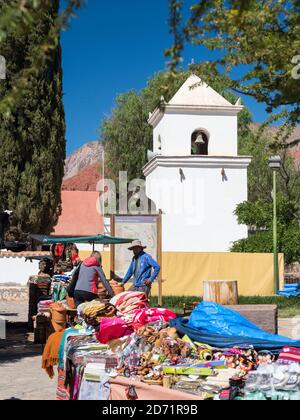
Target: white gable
{"type": "Point", "coordinates": [194, 92]}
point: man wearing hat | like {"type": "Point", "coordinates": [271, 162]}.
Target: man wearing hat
{"type": "Point", "coordinates": [143, 268]}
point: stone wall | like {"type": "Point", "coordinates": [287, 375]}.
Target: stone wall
{"type": "Point", "coordinates": [13, 293]}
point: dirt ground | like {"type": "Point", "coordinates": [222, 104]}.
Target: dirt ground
{"type": "Point", "coordinates": [21, 376]}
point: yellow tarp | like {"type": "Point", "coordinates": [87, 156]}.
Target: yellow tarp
{"type": "Point", "coordinates": [183, 273]}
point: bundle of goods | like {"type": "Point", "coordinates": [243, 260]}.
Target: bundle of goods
{"type": "Point", "coordinates": [64, 278]}
{"type": "Point", "coordinates": [274, 382]}
{"type": "Point", "coordinates": [95, 311]}
{"type": "Point", "coordinates": [127, 303]}
{"type": "Point", "coordinates": [44, 306]}
{"type": "Point", "coordinates": [289, 355]}
{"type": "Point", "coordinates": [146, 316]}
{"type": "Point", "coordinates": [59, 291]}
{"type": "Point", "coordinates": [112, 329]}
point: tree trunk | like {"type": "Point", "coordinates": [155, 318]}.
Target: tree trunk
{"type": "Point", "coordinates": [223, 292]}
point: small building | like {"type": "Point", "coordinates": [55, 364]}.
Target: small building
{"type": "Point", "coordinates": [197, 178]}
{"type": "Point", "coordinates": [80, 216]}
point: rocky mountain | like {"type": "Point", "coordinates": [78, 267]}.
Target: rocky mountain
{"type": "Point", "coordinates": [86, 179]}
{"type": "Point", "coordinates": [88, 155]}
{"type": "Point", "coordinates": [293, 141]}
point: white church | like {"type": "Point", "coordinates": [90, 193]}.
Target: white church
{"type": "Point", "coordinates": [196, 177]}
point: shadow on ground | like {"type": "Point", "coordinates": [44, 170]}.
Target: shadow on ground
{"type": "Point", "coordinates": [18, 344]}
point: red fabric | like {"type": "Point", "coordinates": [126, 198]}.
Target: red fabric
{"type": "Point", "coordinates": [74, 258]}
{"type": "Point", "coordinates": [112, 329]}
{"type": "Point", "coordinates": [148, 315]}
{"type": "Point", "coordinates": [59, 250]}
{"type": "Point", "coordinates": [94, 288]}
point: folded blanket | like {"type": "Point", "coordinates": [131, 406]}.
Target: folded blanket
{"type": "Point", "coordinates": [95, 311]}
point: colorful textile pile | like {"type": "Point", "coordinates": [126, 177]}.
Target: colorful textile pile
{"type": "Point", "coordinates": [81, 351]}
{"type": "Point", "coordinates": [112, 329]}
{"type": "Point", "coordinates": [62, 392]}
{"type": "Point", "coordinates": [95, 311]}
{"type": "Point", "coordinates": [127, 303]}
{"type": "Point", "coordinates": [149, 315]}
{"type": "Point", "coordinates": [289, 355]}
{"type": "Point", "coordinates": [44, 306]}
{"type": "Point", "coordinates": [61, 277]}
{"type": "Point", "coordinates": [59, 292]}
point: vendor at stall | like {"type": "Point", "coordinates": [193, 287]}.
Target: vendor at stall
{"type": "Point", "coordinates": [143, 268]}
{"type": "Point", "coordinates": [90, 272]}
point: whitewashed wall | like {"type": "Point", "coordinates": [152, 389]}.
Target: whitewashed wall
{"type": "Point", "coordinates": [16, 270]}
{"type": "Point", "coordinates": [198, 213]}
{"type": "Point", "coordinates": [176, 132]}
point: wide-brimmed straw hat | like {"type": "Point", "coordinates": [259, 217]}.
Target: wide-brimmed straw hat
{"type": "Point", "coordinates": [137, 244]}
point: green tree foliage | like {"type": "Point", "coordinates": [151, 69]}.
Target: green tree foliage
{"type": "Point", "coordinates": [126, 133]}
{"type": "Point", "coordinates": [256, 41]}
{"type": "Point", "coordinates": [262, 240]}
{"type": "Point", "coordinates": [261, 144]}
{"type": "Point", "coordinates": [258, 216]}
{"type": "Point", "coordinates": [18, 19]}
{"type": "Point", "coordinates": [257, 213]}
{"type": "Point", "coordinates": [32, 133]}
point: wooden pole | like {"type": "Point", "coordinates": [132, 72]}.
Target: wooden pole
{"type": "Point", "coordinates": [159, 257]}
{"type": "Point", "coordinates": [112, 247]}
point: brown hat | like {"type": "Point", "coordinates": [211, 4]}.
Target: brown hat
{"type": "Point", "coordinates": [136, 244]}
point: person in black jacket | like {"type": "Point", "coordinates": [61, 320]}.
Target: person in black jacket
{"type": "Point", "coordinates": [4, 223]}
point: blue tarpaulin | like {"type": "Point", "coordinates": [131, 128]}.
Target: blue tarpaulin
{"type": "Point", "coordinates": [221, 327]}
{"type": "Point", "coordinates": [290, 290]}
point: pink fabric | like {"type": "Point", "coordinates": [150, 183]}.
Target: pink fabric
{"type": "Point", "coordinates": [122, 299]}
{"type": "Point", "coordinates": [112, 329]}
{"type": "Point", "coordinates": [91, 262]}
{"type": "Point", "coordinates": [127, 303]}
{"type": "Point", "coordinates": [148, 315]}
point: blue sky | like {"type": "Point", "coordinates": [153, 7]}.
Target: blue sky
{"type": "Point", "coordinates": [110, 48]}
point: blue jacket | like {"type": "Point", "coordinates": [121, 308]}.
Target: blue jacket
{"type": "Point", "coordinates": [144, 271]}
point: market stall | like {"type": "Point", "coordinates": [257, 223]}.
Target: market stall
{"type": "Point", "coordinates": [50, 309]}
{"type": "Point", "coordinates": [124, 349]}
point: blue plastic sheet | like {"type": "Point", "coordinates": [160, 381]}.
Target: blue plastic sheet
{"type": "Point", "coordinates": [290, 290]}
{"type": "Point", "coordinates": [221, 327]}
